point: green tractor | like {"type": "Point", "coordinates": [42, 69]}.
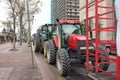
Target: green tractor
{"type": "Point", "coordinates": [38, 41]}
{"type": "Point", "coordinates": [48, 31]}
{"type": "Point", "coordinates": [42, 36]}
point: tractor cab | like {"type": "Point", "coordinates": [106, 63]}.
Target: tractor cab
{"type": "Point", "coordinates": [47, 31]}
{"type": "Point", "coordinates": [65, 28]}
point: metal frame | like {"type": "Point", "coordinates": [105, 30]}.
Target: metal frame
{"type": "Point", "coordinates": [98, 17]}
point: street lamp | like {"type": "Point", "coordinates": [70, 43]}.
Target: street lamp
{"type": "Point", "coordinates": [28, 15]}
{"type": "Point", "coordinates": [29, 21]}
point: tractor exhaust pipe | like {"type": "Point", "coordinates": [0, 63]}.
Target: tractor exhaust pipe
{"type": "Point", "coordinates": [59, 34]}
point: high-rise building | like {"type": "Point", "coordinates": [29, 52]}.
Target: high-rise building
{"type": "Point", "coordinates": [64, 9]}
{"type": "Point", "coordinates": [52, 11]}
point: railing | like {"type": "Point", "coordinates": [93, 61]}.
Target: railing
{"type": "Point", "coordinates": [97, 55]}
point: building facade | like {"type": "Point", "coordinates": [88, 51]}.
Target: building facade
{"type": "Point", "coordinates": [64, 9]}
{"type": "Point", "coordinates": [102, 23]}
{"type": "Point", "coordinates": [52, 11]}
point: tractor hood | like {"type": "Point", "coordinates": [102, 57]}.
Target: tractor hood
{"type": "Point", "coordinates": [73, 40]}
{"type": "Point", "coordinates": [77, 37]}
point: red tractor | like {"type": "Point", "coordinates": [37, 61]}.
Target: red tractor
{"type": "Point", "coordinates": [68, 44]}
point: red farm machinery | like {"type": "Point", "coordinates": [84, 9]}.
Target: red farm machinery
{"type": "Point", "coordinates": [69, 45]}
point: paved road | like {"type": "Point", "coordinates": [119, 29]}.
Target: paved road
{"type": "Point", "coordinates": [77, 72]}
{"type": "Point", "coordinates": [50, 72]}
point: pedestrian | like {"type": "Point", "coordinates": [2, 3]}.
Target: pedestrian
{"type": "Point", "coordinates": [11, 40]}
{"type": "Point", "coordinates": [91, 36]}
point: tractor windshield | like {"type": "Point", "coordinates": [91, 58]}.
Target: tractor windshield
{"type": "Point", "coordinates": [71, 28]}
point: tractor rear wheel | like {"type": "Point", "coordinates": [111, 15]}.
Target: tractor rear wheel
{"type": "Point", "coordinates": [37, 45]}
{"type": "Point", "coordinates": [51, 52]}
{"type": "Point", "coordinates": [63, 62]}
{"type": "Point", "coordinates": [45, 48]}
{"type": "Point", "coordinates": [41, 45]}
{"type": "Point", "coordinates": [102, 66]}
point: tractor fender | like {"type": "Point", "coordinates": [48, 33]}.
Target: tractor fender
{"type": "Point", "coordinates": [55, 39]}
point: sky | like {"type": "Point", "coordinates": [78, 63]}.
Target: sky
{"type": "Point", "coordinates": [43, 16]}
{"type": "Point", "coordinates": [3, 13]}
{"type": "Point", "coordinates": [39, 19]}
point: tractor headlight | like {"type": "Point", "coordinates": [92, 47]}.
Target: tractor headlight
{"type": "Point", "coordinates": [84, 48]}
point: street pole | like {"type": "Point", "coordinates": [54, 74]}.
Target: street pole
{"type": "Point", "coordinates": [28, 15]}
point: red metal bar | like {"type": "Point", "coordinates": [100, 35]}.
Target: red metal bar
{"type": "Point", "coordinates": [112, 75]}
{"type": "Point", "coordinates": [110, 27]}
{"type": "Point", "coordinates": [91, 17]}
{"type": "Point", "coordinates": [107, 18]}
{"type": "Point", "coordinates": [107, 30]}
{"type": "Point", "coordinates": [107, 41]}
{"type": "Point", "coordinates": [87, 54]}
{"type": "Point", "coordinates": [106, 7]}
{"type": "Point", "coordinates": [91, 5]}
{"type": "Point", "coordinates": [114, 60]}
{"type": "Point", "coordinates": [114, 51]}
{"type": "Point", "coordinates": [92, 65]}
{"type": "Point", "coordinates": [92, 30]}
{"type": "Point", "coordinates": [118, 68]}
{"type": "Point", "coordinates": [103, 70]}
{"type": "Point", "coordinates": [97, 30]}
{"type": "Point", "coordinates": [96, 35]}
{"type": "Point", "coordinates": [109, 12]}
{"type": "Point", "coordinates": [105, 62]}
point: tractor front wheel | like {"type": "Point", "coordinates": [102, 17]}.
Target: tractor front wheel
{"type": "Point", "coordinates": [63, 62]}
{"type": "Point", "coordinates": [36, 46]}
{"type": "Point", "coordinates": [51, 52]}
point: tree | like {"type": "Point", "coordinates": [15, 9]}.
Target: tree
{"type": "Point", "coordinates": [17, 10]}
{"type": "Point", "coordinates": [21, 10]}
{"type": "Point", "coordinates": [13, 14]}
{"type": "Point", "coordinates": [7, 23]}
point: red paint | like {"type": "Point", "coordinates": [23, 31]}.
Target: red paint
{"type": "Point", "coordinates": [56, 40]}
{"type": "Point", "coordinates": [69, 22]}
{"type": "Point", "coordinates": [73, 40]}
{"type": "Point", "coordinates": [100, 16]}
{"type": "Point", "coordinates": [118, 68]}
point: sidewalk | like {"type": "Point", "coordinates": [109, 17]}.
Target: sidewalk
{"type": "Point", "coordinates": [17, 65]}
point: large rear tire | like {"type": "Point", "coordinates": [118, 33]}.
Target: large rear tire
{"type": "Point", "coordinates": [37, 45]}
{"type": "Point", "coordinates": [45, 49]}
{"type": "Point", "coordinates": [41, 45]}
{"type": "Point", "coordinates": [102, 66]}
{"type": "Point", "coordinates": [63, 62]}
{"type": "Point", "coordinates": [51, 52]}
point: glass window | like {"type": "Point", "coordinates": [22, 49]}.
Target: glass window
{"type": "Point", "coordinates": [70, 28]}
